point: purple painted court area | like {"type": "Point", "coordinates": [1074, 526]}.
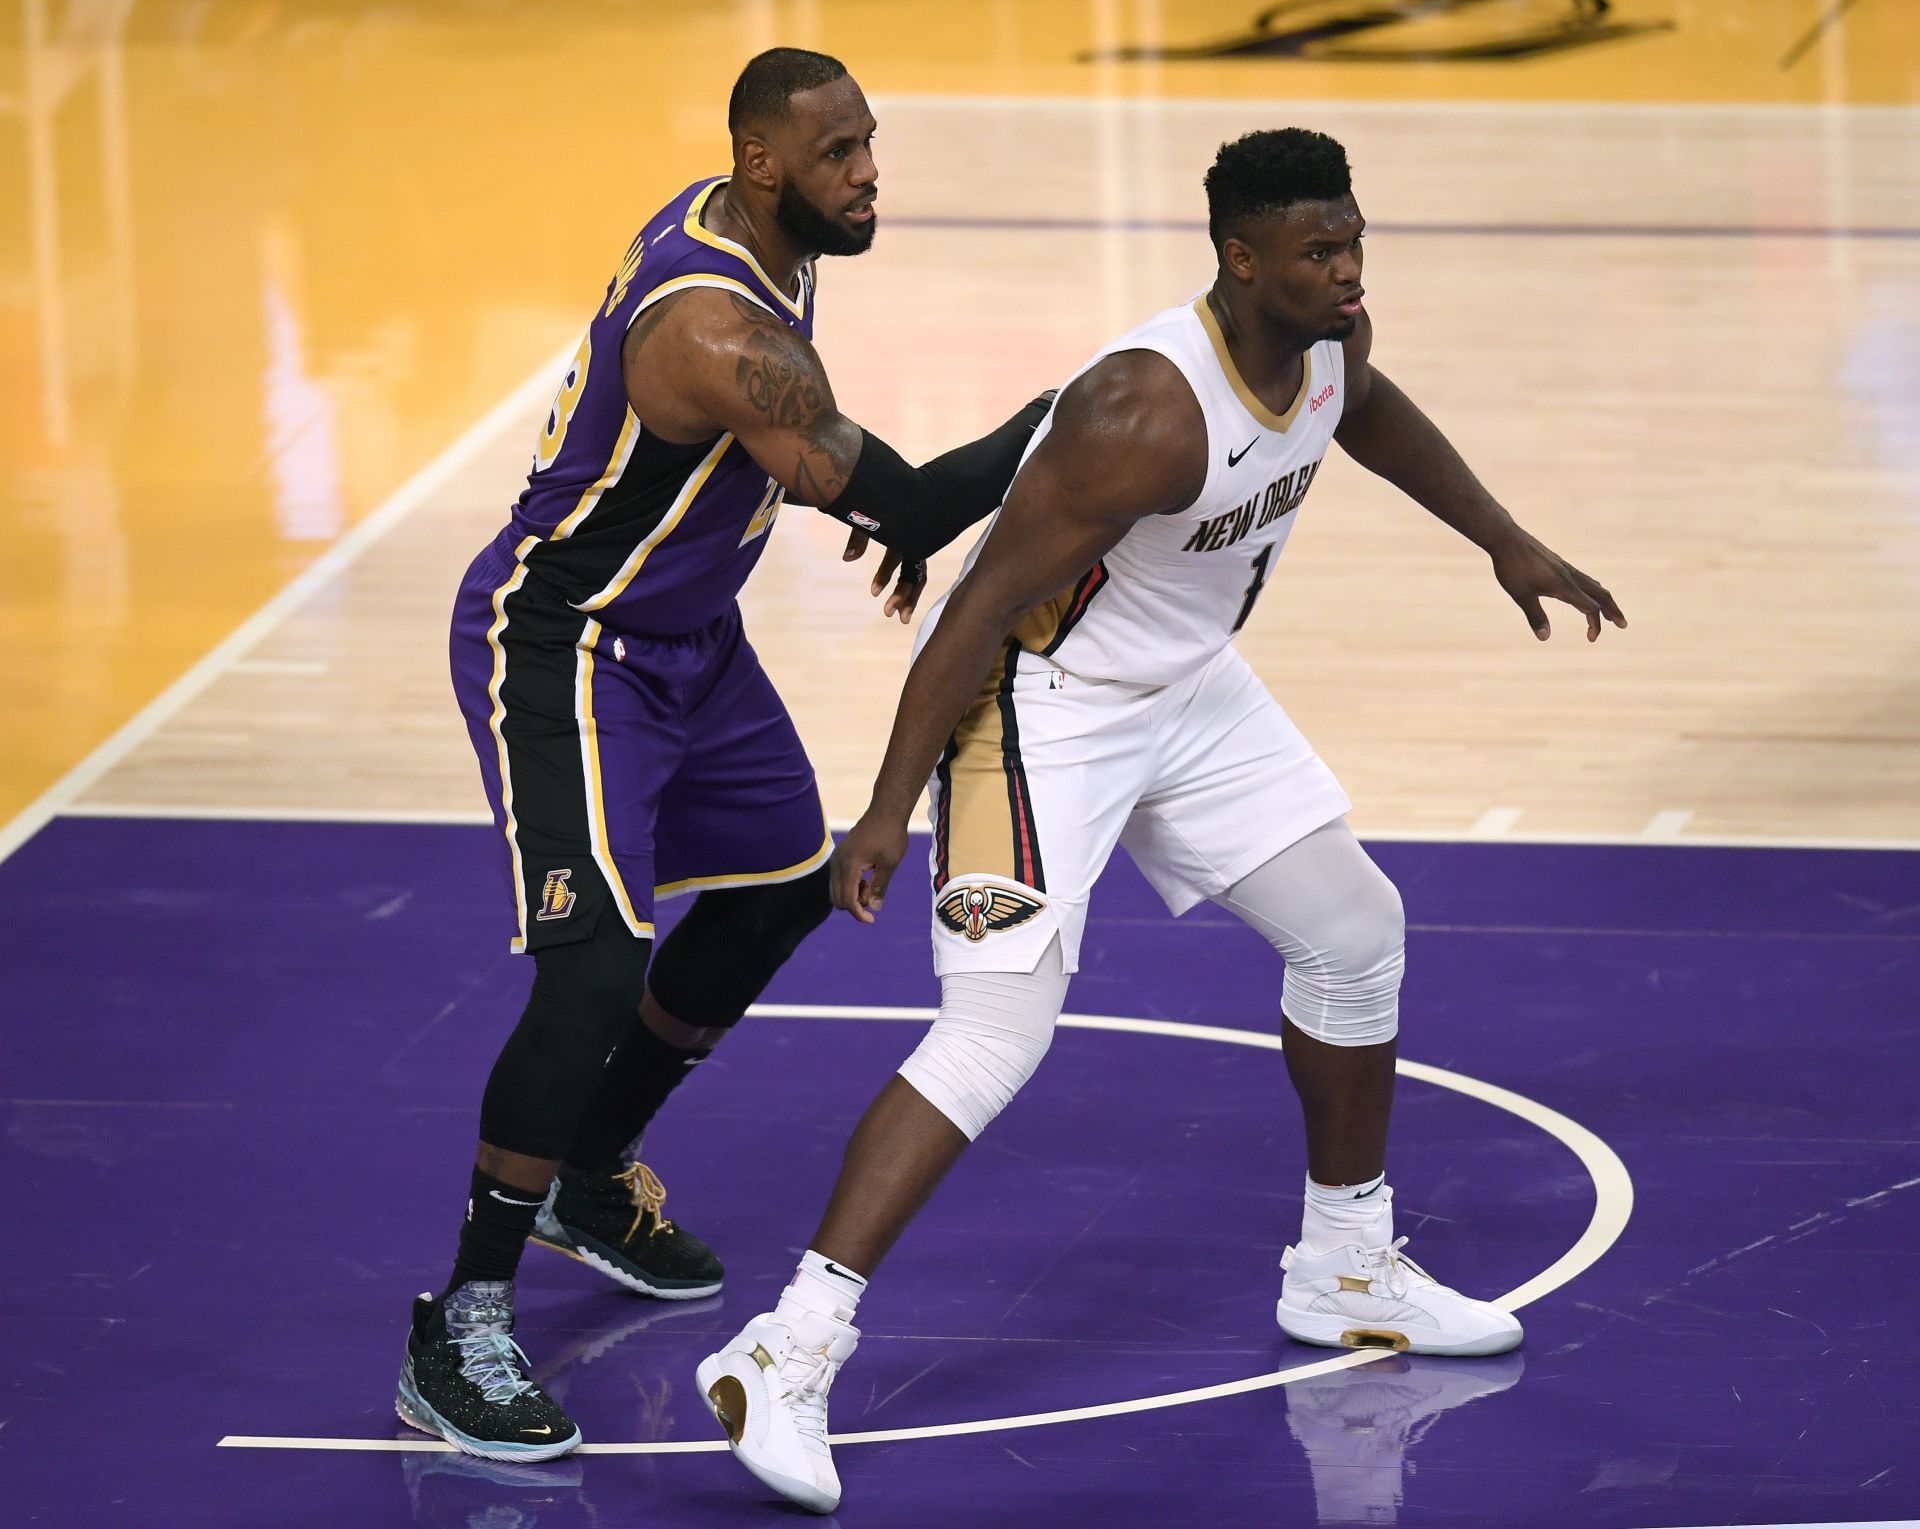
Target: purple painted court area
{"type": "Point", "coordinates": [242, 1065]}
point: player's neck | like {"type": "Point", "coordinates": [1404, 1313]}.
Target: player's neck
{"type": "Point", "coordinates": [1267, 357]}
{"type": "Point", "coordinates": [737, 219]}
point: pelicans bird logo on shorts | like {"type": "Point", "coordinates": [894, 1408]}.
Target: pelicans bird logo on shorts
{"type": "Point", "coordinates": [555, 900]}
{"type": "Point", "coordinates": [978, 912]}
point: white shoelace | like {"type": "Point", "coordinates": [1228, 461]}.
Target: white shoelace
{"type": "Point", "coordinates": [1392, 1262]}
{"type": "Point", "coordinates": [494, 1363]}
{"type": "Point", "coordinates": [809, 1376]}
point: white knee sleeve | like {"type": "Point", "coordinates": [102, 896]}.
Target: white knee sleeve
{"type": "Point", "coordinates": [1332, 913]}
{"type": "Point", "coordinates": [992, 1031]}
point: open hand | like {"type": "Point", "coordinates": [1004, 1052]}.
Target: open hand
{"type": "Point", "coordinates": [1530, 571]}
{"type": "Point", "coordinates": [863, 864]}
{"type": "Point", "coordinates": [907, 588]}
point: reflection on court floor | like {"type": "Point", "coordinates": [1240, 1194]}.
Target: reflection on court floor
{"type": "Point", "coordinates": [232, 1124]}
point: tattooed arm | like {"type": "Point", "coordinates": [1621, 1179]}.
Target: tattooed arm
{"type": "Point", "coordinates": [716, 361]}
{"type": "Point", "coordinates": [709, 360]}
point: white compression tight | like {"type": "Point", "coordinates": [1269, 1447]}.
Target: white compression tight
{"type": "Point", "coordinates": [992, 1031]}
{"type": "Point", "coordinates": [1327, 908]}
{"type": "Point", "coordinates": [1332, 913]}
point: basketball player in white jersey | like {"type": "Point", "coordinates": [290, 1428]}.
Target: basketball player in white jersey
{"type": "Point", "coordinates": [1078, 689]}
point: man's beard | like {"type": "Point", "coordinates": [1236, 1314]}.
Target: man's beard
{"type": "Point", "coordinates": [814, 230]}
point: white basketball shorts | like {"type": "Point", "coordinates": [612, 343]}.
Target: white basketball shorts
{"type": "Point", "coordinates": [1203, 780]}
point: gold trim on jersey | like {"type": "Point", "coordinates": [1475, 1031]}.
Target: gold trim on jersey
{"type": "Point", "coordinates": [596, 799]}
{"type": "Point", "coordinates": [698, 279]}
{"type": "Point", "coordinates": [793, 872]}
{"type": "Point", "coordinates": [1204, 312]}
{"type": "Point", "coordinates": [616, 465]}
{"type": "Point", "coordinates": [692, 224]}
{"type": "Point", "coordinates": [659, 533]}
{"type": "Point", "coordinates": [496, 725]}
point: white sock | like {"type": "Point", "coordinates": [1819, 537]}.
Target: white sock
{"type": "Point", "coordinates": [823, 1286]}
{"type": "Point", "coordinates": [1337, 1214]}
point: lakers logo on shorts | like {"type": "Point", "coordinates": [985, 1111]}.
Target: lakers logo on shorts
{"type": "Point", "coordinates": [978, 912]}
{"type": "Point", "coordinates": [555, 900]}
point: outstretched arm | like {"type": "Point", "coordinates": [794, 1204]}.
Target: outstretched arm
{"type": "Point", "coordinates": [1127, 441]}
{"type": "Point", "coordinates": [1383, 430]}
{"type": "Point", "coordinates": [710, 360]}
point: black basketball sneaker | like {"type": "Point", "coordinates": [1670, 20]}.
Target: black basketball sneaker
{"type": "Point", "coordinates": [465, 1379]}
{"type": "Point", "coordinates": [615, 1222]}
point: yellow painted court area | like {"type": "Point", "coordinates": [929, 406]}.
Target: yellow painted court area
{"type": "Point", "coordinates": [261, 261]}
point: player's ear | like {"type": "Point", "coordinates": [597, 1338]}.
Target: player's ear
{"type": "Point", "coordinates": [1238, 259]}
{"type": "Point", "coordinates": [756, 159]}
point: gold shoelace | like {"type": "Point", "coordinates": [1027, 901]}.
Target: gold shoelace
{"type": "Point", "coordinates": [649, 1194]}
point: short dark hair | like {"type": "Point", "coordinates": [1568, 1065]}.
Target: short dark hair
{"type": "Point", "coordinates": [773, 78]}
{"type": "Point", "coordinates": [1268, 172]}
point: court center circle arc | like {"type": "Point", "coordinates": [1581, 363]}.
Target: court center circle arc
{"type": "Point", "coordinates": [1613, 1205]}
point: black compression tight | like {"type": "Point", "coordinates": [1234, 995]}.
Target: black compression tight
{"type": "Point", "coordinates": [585, 996]}
{"type": "Point", "coordinates": [714, 963]}
{"type": "Point", "coordinates": [586, 1002]}
{"type": "Point", "coordinates": [721, 956]}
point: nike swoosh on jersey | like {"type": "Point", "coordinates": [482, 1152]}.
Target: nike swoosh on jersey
{"type": "Point", "coordinates": [1233, 457]}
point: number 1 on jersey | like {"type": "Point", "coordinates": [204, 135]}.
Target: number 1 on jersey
{"type": "Point", "coordinates": [1253, 590]}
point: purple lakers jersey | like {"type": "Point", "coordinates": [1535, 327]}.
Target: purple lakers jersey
{"type": "Point", "coordinates": [645, 535]}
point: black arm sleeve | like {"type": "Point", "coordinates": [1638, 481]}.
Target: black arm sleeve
{"type": "Point", "coordinates": [916, 511]}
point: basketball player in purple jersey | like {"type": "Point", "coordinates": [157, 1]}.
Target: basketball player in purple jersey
{"type": "Point", "coordinates": [629, 740]}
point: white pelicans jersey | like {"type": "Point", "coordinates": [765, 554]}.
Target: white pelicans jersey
{"type": "Point", "coordinates": [1172, 593]}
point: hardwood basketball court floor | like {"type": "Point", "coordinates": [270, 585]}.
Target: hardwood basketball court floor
{"type": "Point", "coordinates": [288, 290]}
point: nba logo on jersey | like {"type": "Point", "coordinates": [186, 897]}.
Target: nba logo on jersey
{"type": "Point", "coordinates": [555, 900]}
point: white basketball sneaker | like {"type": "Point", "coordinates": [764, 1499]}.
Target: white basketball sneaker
{"type": "Point", "coordinates": [768, 1388]}
{"type": "Point", "coordinates": [1360, 1296]}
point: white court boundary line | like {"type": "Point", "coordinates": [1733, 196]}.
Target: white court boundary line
{"type": "Point", "coordinates": [1613, 1205]}
{"type": "Point", "coordinates": [474, 818]}
{"type": "Point", "coordinates": [62, 794]}
{"type": "Point", "coordinates": [1850, 1523]}
{"type": "Point", "coordinates": [61, 798]}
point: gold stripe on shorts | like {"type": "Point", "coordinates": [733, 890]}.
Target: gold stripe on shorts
{"type": "Point", "coordinates": [986, 825]}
